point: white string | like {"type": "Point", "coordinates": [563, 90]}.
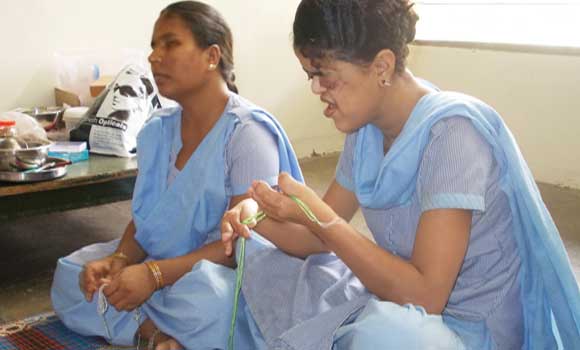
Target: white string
{"type": "Point", "coordinates": [102, 307]}
{"type": "Point", "coordinates": [137, 319]}
{"type": "Point", "coordinates": [335, 221]}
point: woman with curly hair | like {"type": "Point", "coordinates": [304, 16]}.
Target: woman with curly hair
{"type": "Point", "coordinates": [465, 254]}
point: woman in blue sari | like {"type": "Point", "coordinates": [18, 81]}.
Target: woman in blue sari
{"type": "Point", "coordinates": [195, 161]}
{"type": "Point", "coordinates": [465, 254]}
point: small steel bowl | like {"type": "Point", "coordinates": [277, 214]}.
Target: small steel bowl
{"type": "Point", "coordinates": [28, 158]}
{"type": "Point", "coordinates": [48, 117]}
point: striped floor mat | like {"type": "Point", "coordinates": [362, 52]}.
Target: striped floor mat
{"type": "Point", "coordinates": [46, 332]}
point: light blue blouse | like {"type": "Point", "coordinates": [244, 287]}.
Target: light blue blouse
{"type": "Point", "coordinates": [459, 171]}
{"type": "Point", "coordinates": [250, 154]}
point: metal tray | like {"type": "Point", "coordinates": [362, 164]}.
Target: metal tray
{"type": "Point", "coordinates": [49, 117]}
{"type": "Point", "coordinates": [43, 175]}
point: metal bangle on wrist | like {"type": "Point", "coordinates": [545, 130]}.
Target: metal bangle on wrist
{"type": "Point", "coordinates": [120, 255]}
{"type": "Point", "coordinates": [156, 272]}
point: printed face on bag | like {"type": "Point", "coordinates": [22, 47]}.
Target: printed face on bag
{"type": "Point", "coordinates": [177, 62]}
{"type": "Point", "coordinates": [125, 100]}
{"type": "Point", "coordinates": [128, 96]}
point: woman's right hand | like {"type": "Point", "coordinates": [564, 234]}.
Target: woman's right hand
{"type": "Point", "coordinates": [93, 273]}
{"type": "Point", "coordinates": [231, 225]}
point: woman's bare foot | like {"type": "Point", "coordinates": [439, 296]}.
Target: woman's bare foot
{"type": "Point", "coordinates": [169, 344]}
{"type": "Point", "coordinates": [149, 330]}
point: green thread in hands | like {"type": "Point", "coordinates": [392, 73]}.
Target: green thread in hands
{"type": "Point", "coordinates": [309, 213]}
{"type": "Point", "coordinates": [239, 276]}
{"type": "Point", "coordinates": [259, 216]}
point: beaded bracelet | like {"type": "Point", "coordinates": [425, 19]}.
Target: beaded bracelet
{"type": "Point", "coordinates": [156, 272]}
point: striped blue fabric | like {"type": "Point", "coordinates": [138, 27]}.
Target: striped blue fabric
{"type": "Point", "coordinates": [249, 161]}
{"type": "Point", "coordinates": [251, 154]}
{"type": "Point", "coordinates": [456, 167]}
{"type": "Point", "coordinates": [458, 171]}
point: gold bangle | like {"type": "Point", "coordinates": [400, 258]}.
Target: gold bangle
{"type": "Point", "coordinates": [156, 272]}
{"type": "Point", "coordinates": [120, 255]}
{"type": "Point", "coordinates": [153, 271]}
{"type": "Point", "coordinates": [161, 281]}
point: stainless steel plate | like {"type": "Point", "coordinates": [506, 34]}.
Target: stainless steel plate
{"type": "Point", "coordinates": [41, 111]}
{"type": "Point", "coordinates": [26, 158]}
{"type": "Point", "coordinates": [43, 175]}
{"type": "Point", "coordinates": [48, 117]}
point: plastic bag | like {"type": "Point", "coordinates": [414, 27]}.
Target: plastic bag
{"type": "Point", "coordinates": [112, 123]}
{"type": "Point", "coordinates": [76, 69]}
{"type": "Point", "coordinates": [27, 127]}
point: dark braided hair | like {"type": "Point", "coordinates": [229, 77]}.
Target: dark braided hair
{"type": "Point", "coordinates": [354, 30]}
{"type": "Point", "coordinates": [208, 28]}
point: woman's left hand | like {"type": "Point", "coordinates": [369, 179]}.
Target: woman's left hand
{"type": "Point", "coordinates": [279, 206]}
{"type": "Point", "coordinates": [130, 288]}
{"type": "Point", "coordinates": [231, 224]}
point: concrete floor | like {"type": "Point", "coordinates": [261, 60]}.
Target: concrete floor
{"type": "Point", "coordinates": [31, 246]}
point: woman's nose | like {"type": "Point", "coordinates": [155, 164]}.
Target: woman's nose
{"type": "Point", "coordinates": [316, 87]}
{"type": "Point", "coordinates": [154, 57]}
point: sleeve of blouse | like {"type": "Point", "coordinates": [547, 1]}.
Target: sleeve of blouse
{"type": "Point", "coordinates": [251, 154]}
{"type": "Point", "coordinates": [456, 167]}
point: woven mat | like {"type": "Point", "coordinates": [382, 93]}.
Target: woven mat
{"type": "Point", "coordinates": [46, 332]}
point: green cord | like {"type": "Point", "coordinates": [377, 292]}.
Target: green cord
{"type": "Point", "coordinates": [240, 270]}
{"type": "Point", "coordinates": [309, 213]}
{"type": "Point", "coordinates": [239, 276]}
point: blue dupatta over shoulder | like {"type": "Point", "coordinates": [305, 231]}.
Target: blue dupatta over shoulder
{"type": "Point", "coordinates": [176, 220]}
{"type": "Point", "coordinates": [550, 293]}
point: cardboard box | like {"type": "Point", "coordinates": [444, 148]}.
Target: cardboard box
{"type": "Point", "coordinates": [71, 99]}
{"type": "Point", "coordinates": [100, 84]}
{"type": "Point", "coordinates": [62, 97]}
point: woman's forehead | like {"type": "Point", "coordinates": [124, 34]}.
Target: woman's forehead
{"type": "Point", "coordinates": [168, 25]}
{"type": "Point", "coordinates": [316, 64]}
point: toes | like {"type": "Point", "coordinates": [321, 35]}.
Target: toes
{"type": "Point", "coordinates": [174, 345]}
{"type": "Point", "coordinates": [162, 346]}
{"type": "Point", "coordinates": [169, 344]}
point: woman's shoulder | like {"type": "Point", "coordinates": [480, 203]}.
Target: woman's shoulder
{"type": "Point", "coordinates": [245, 111]}
{"type": "Point", "coordinates": [163, 114]}
{"type": "Point", "coordinates": [454, 124]}
{"type": "Point", "coordinates": [166, 112]}
{"type": "Point", "coordinates": [252, 122]}
{"type": "Point", "coordinates": [155, 122]}
{"type": "Point", "coordinates": [456, 135]}
{"type": "Point", "coordinates": [250, 129]}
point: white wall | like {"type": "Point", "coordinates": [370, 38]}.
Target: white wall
{"type": "Point", "coordinates": [267, 71]}
{"type": "Point", "coordinates": [538, 96]}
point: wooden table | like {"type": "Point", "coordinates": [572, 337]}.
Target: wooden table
{"type": "Point", "coordinates": [99, 180]}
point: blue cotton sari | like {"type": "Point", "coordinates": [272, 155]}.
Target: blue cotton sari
{"type": "Point", "coordinates": [173, 220]}
{"type": "Point", "coordinates": [550, 293]}
{"type": "Point", "coordinates": [321, 305]}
